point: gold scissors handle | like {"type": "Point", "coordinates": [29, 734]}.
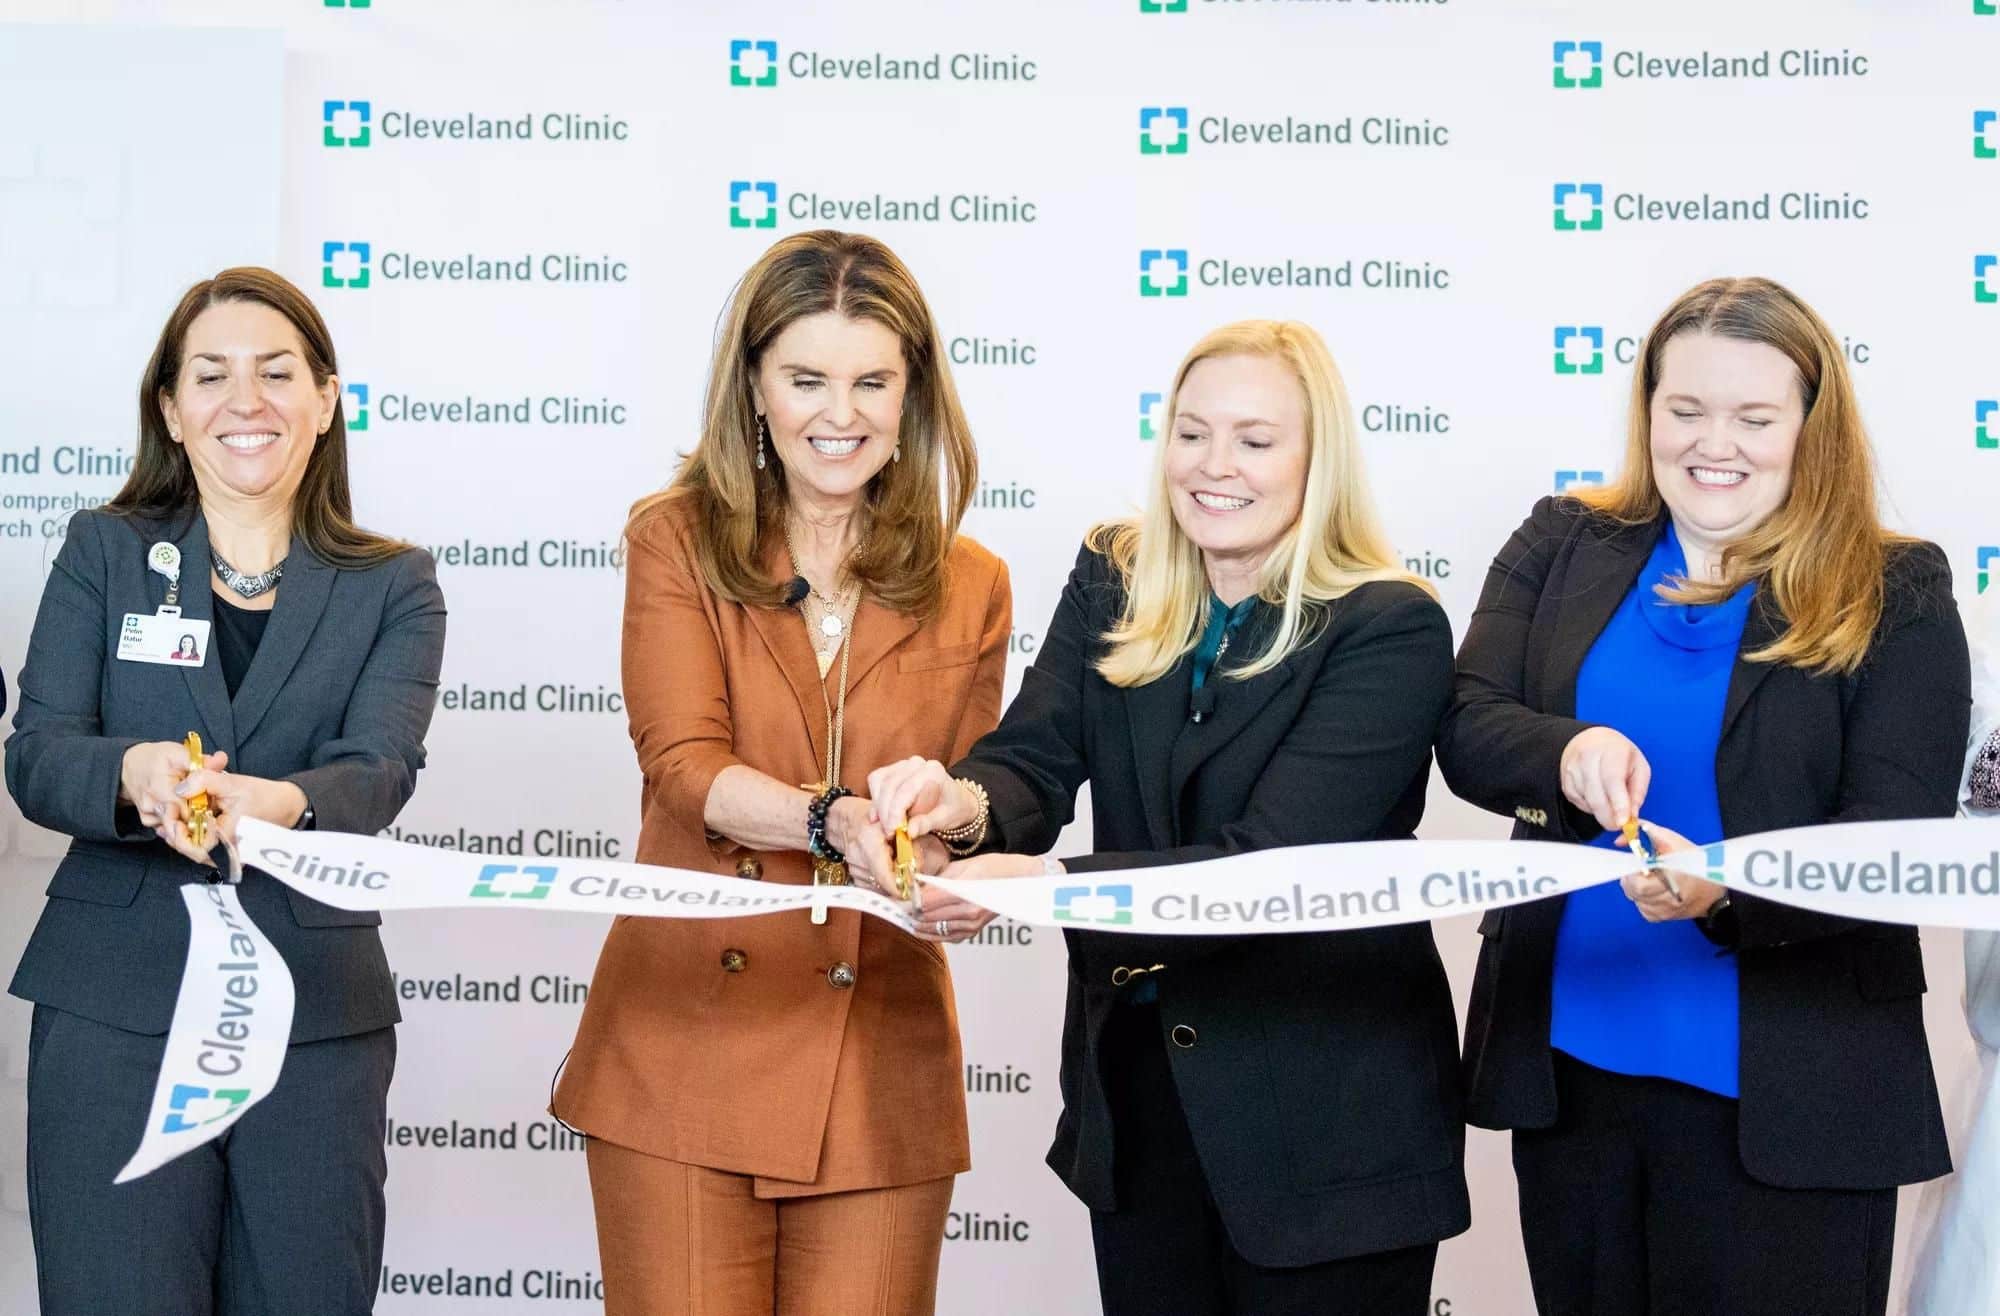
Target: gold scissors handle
{"type": "Point", "coordinates": [906, 868]}
{"type": "Point", "coordinates": [199, 816]}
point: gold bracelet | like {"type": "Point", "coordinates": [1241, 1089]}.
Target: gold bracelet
{"type": "Point", "coordinates": [964, 840]}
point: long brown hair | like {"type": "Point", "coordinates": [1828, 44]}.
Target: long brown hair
{"type": "Point", "coordinates": [161, 486]}
{"type": "Point", "coordinates": [906, 529]}
{"type": "Point", "coordinates": [1820, 556]}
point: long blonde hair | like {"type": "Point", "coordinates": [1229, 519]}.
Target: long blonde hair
{"type": "Point", "coordinates": [1821, 555]}
{"type": "Point", "coordinates": [906, 527]}
{"type": "Point", "coordinates": [1336, 544]}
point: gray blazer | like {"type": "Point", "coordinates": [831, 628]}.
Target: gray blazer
{"type": "Point", "coordinates": [337, 700]}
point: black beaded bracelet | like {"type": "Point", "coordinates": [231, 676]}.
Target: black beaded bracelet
{"type": "Point", "coordinates": [816, 843]}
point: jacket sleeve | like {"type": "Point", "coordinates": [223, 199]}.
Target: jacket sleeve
{"type": "Point", "coordinates": [62, 770]}
{"type": "Point", "coordinates": [1362, 736]}
{"type": "Point", "coordinates": [676, 691]}
{"type": "Point", "coordinates": [1903, 736]}
{"type": "Point", "coordinates": [361, 779]}
{"type": "Point", "coordinates": [982, 710]}
{"type": "Point", "coordinates": [1493, 749]}
{"type": "Point", "coordinates": [1033, 763]}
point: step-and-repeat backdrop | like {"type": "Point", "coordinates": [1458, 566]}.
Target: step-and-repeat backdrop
{"type": "Point", "coordinates": [523, 220]}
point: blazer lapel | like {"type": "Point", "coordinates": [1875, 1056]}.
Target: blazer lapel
{"type": "Point", "coordinates": [1602, 571]}
{"type": "Point", "coordinates": [784, 636]}
{"type": "Point", "coordinates": [1156, 712]}
{"type": "Point", "coordinates": [301, 602]}
{"type": "Point", "coordinates": [878, 632]}
{"type": "Point", "coordinates": [204, 679]}
{"type": "Point", "coordinates": [1763, 626]}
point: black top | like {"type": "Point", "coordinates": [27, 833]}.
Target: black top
{"type": "Point", "coordinates": [238, 632]}
{"type": "Point", "coordinates": [1836, 1083]}
{"type": "Point", "coordinates": [1321, 1086]}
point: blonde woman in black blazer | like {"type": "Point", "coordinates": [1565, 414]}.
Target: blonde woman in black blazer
{"type": "Point", "coordinates": [1268, 1124]}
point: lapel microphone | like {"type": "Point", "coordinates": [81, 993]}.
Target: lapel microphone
{"type": "Point", "coordinates": [796, 591]}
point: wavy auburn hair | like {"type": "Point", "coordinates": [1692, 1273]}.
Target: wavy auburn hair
{"type": "Point", "coordinates": [1820, 556]}
{"type": "Point", "coordinates": [1336, 544]}
{"type": "Point", "coordinates": [910, 511]}
{"type": "Point", "coordinates": [161, 486]}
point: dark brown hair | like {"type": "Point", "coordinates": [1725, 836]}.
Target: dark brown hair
{"type": "Point", "coordinates": [1822, 553]}
{"type": "Point", "coordinates": [161, 486]}
{"type": "Point", "coordinates": [906, 528]}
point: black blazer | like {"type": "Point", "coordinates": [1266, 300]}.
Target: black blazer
{"type": "Point", "coordinates": [337, 700]}
{"type": "Point", "coordinates": [1322, 1090]}
{"type": "Point", "coordinates": [1836, 1082]}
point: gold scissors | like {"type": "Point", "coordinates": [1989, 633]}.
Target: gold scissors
{"type": "Point", "coordinates": [1633, 838]}
{"type": "Point", "coordinates": [906, 868]}
{"type": "Point", "coordinates": [199, 817]}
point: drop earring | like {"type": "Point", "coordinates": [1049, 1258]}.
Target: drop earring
{"type": "Point", "coordinates": [763, 435]}
{"type": "Point", "coordinates": [896, 453]}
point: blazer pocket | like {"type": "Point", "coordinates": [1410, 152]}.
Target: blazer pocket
{"type": "Point", "coordinates": [1888, 969]}
{"type": "Point", "coordinates": [99, 879]}
{"type": "Point", "coordinates": [950, 655]}
{"type": "Point", "coordinates": [310, 913]}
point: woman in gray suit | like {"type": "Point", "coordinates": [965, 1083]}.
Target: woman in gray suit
{"type": "Point", "coordinates": [319, 649]}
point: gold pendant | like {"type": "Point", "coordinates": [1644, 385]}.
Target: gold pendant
{"type": "Point", "coordinates": [827, 873]}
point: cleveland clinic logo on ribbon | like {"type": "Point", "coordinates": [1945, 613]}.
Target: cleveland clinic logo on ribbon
{"type": "Point", "coordinates": [1108, 904]}
{"type": "Point", "coordinates": [513, 882]}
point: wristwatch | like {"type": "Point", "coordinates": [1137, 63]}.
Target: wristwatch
{"type": "Point", "coordinates": [1718, 924]}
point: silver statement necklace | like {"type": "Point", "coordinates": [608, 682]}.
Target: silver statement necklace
{"type": "Point", "coordinates": [248, 587]}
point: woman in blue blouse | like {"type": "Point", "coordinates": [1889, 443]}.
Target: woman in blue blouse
{"type": "Point", "coordinates": [1714, 1096]}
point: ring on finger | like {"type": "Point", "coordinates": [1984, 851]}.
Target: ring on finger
{"type": "Point", "coordinates": [944, 927]}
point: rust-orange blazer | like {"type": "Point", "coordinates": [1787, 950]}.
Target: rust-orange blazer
{"type": "Point", "coordinates": [728, 1043]}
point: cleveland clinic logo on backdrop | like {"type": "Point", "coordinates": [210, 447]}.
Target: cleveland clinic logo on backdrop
{"type": "Point", "coordinates": [1986, 279]}
{"type": "Point", "coordinates": [357, 123]}
{"type": "Point", "coordinates": [1152, 414]}
{"type": "Point", "coordinates": [359, 265]}
{"type": "Point", "coordinates": [1579, 479]}
{"type": "Point", "coordinates": [363, 405]}
{"type": "Point", "coordinates": [1983, 559]}
{"type": "Point", "coordinates": [1582, 207]}
{"type": "Point", "coordinates": [1985, 135]}
{"type": "Point", "coordinates": [1169, 129]}
{"type": "Point", "coordinates": [759, 203]}
{"type": "Point", "coordinates": [1587, 66]}
{"type": "Point", "coordinates": [756, 61]}
{"type": "Point", "coordinates": [1580, 349]}
{"type": "Point", "coordinates": [1172, 271]}
{"type": "Point", "coordinates": [1986, 424]}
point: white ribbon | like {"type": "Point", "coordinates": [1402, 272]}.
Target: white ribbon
{"type": "Point", "coordinates": [232, 1021]}
{"type": "Point", "coordinates": [1937, 872]}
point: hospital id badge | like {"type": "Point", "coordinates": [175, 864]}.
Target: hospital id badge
{"type": "Point", "coordinates": [163, 637]}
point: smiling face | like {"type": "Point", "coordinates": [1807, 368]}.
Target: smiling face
{"type": "Point", "coordinates": [1725, 420]}
{"type": "Point", "coordinates": [245, 406]}
{"type": "Point", "coordinates": [1236, 460]}
{"type": "Point", "coordinates": [831, 388]}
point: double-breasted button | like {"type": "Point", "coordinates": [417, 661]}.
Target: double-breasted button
{"type": "Point", "coordinates": [840, 975]}
{"type": "Point", "coordinates": [734, 960]}
{"type": "Point", "coordinates": [1182, 1036]}
{"type": "Point", "coordinates": [751, 869]}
